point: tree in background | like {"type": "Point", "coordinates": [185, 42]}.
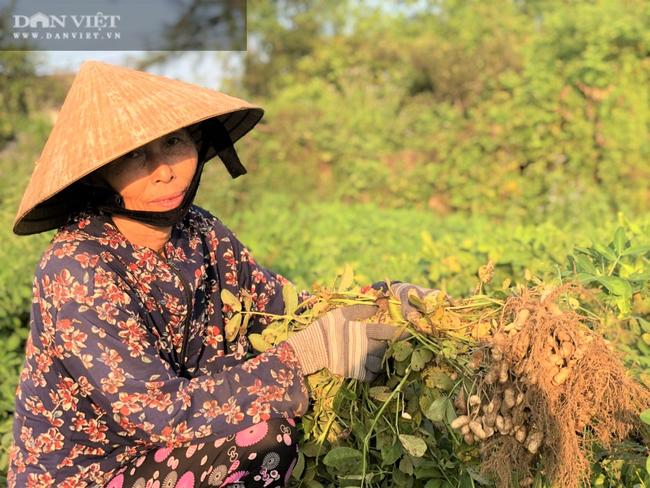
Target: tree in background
{"type": "Point", "coordinates": [16, 71]}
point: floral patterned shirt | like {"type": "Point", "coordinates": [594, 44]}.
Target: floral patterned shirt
{"type": "Point", "coordinates": [127, 351]}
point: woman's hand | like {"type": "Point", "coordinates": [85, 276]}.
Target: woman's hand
{"type": "Point", "coordinates": [401, 292]}
{"type": "Point", "coordinates": [338, 342]}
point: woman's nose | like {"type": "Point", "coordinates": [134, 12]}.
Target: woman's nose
{"type": "Point", "coordinates": [163, 168]}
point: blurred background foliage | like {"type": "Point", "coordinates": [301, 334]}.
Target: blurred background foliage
{"type": "Point", "coordinates": [411, 139]}
{"type": "Point", "coordinates": [513, 110]}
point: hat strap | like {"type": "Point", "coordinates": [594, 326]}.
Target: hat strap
{"type": "Point", "coordinates": [219, 138]}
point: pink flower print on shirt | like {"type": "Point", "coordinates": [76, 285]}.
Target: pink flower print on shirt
{"type": "Point", "coordinates": [235, 477]}
{"type": "Point", "coordinates": [186, 481]}
{"type": "Point", "coordinates": [162, 454]}
{"type": "Point", "coordinates": [290, 470]}
{"type": "Point", "coordinates": [252, 435]}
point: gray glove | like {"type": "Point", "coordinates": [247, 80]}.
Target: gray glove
{"type": "Point", "coordinates": [401, 291]}
{"type": "Point", "coordinates": [344, 346]}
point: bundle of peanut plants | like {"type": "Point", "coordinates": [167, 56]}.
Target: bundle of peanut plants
{"type": "Point", "coordinates": [512, 389]}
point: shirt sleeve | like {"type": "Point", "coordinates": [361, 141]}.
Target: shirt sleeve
{"type": "Point", "coordinates": [242, 272]}
{"type": "Point", "coordinates": [104, 345]}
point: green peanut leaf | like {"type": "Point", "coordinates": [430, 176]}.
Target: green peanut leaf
{"type": "Point", "coordinates": [603, 250]}
{"type": "Point", "coordinates": [585, 263]}
{"type": "Point", "coordinates": [232, 327]}
{"type": "Point", "coordinates": [347, 393]}
{"type": "Point", "coordinates": [344, 459]}
{"type": "Point", "coordinates": [414, 445]}
{"type": "Point", "coordinates": [591, 252]}
{"type": "Point", "coordinates": [634, 250]}
{"type": "Point", "coordinates": [229, 299]}
{"type": "Point", "coordinates": [290, 297]}
{"type": "Point", "coordinates": [645, 325]}
{"type": "Point", "coordinates": [406, 466]}
{"type": "Point", "coordinates": [258, 343]}
{"type": "Point", "coordinates": [380, 393]}
{"type": "Point", "coordinates": [313, 484]}
{"type": "Point", "coordinates": [402, 350]}
{"type": "Point", "coordinates": [247, 298]}
{"type": "Point", "coordinates": [299, 467]}
{"type": "Point", "coordinates": [442, 381]}
{"type": "Point", "coordinates": [645, 416]}
{"type": "Point", "coordinates": [435, 483]}
{"type": "Point", "coordinates": [451, 413]}
{"type": "Point", "coordinates": [347, 278]}
{"type": "Point", "coordinates": [340, 455]}
{"type": "Point", "coordinates": [420, 358]}
{"type": "Point", "coordinates": [390, 453]}
{"type": "Point", "coordinates": [585, 278]}
{"type": "Point", "coordinates": [425, 399]}
{"type": "Point", "coordinates": [620, 240]}
{"type": "Point", "coordinates": [616, 286]}
{"type": "Point", "coordinates": [643, 347]}
{"type": "Point", "coordinates": [437, 410]}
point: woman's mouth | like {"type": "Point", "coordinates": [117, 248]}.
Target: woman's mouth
{"type": "Point", "coordinates": [172, 200]}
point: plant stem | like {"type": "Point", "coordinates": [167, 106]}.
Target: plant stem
{"type": "Point", "coordinates": [366, 441]}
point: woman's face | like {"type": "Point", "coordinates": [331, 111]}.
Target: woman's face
{"type": "Point", "coordinates": [154, 177]}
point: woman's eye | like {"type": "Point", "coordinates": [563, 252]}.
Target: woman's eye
{"type": "Point", "coordinates": [172, 141]}
{"type": "Point", "coordinates": [131, 155]}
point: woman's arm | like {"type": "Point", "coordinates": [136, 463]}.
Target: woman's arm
{"type": "Point", "coordinates": [105, 349]}
{"type": "Point", "coordinates": [240, 272]}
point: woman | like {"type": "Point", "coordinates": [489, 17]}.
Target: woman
{"type": "Point", "coordinates": [128, 378]}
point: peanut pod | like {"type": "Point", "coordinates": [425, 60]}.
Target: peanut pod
{"type": "Point", "coordinates": [492, 376]}
{"type": "Point", "coordinates": [507, 424]}
{"type": "Point", "coordinates": [550, 342]}
{"type": "Point", "coordinates": [520, 399]}
{"type": "Point", "coordinates": [519, 368]}
{"type": "Point", "coordinates": [518, 417]}
{"type": "Point", "coordinates": [526, 482]}
{"type": "Point", "coordinates": [496, 402]}
{"type": "Point", "coordinates": [567, 349]}
{"type": "Point", "coordinates": [534, 442]}
{"type": "Point", "coordinates": [458, 422]}
{"type": "Point", "coordinates": [477, 430]}
{"type": "Point", "coordinates": [509, 397]}
{"type": "Point", "coordinates": [561, 376]}
{"type": "Point", "coordinates": [503, 373]}
{"type": "Point", "coordinates": [500, 424]}
{"type": "Point", "coordinates": [489, 419]}
{"type": "Point", "coordinates": [510, 327]}
{"type": "Point", "coordinates": [477, 359]}
{"type": "Point", "coordinates": [497, 353]}
{"type": "Point", "coordinates": [522, 316]}
{"type": "Point", "coordinates": [459, 403]}
{"type": "Point", "coordinates": [521, 434]}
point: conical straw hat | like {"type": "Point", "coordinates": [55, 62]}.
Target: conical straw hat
{"type": "Point", "coordinates": [108, 112]}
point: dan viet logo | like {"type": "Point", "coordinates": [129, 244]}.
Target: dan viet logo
{"type": "Point", "coordinates": [43, 26]}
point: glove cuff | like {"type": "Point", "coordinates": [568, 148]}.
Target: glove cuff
{"type": "Point", "coordinates": [308, 346]}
